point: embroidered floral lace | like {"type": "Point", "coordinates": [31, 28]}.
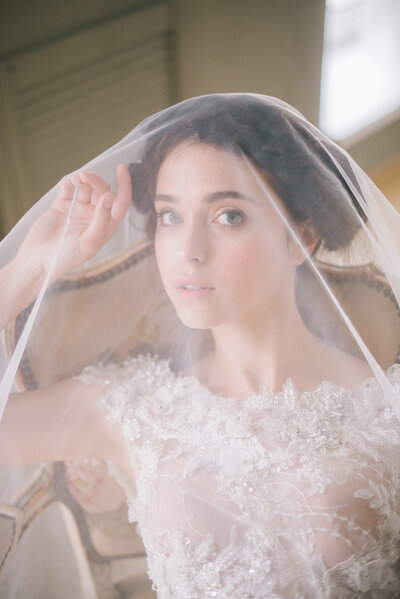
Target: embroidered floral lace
{"type": "Point", "coordinates": [281, 495]}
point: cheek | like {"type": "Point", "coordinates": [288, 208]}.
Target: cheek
{"type": "Point", "coordinates": [164, 252]}
{"type": "Point", "coordinates": [249, 263]}
{"type": "Point", "coordinates": [239, 260]}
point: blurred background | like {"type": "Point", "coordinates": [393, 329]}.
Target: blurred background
{"type": "Point", "coordinates": [77, 75]}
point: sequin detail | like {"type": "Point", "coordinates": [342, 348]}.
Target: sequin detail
{"type": "Point", "coordinates": [279, 496]}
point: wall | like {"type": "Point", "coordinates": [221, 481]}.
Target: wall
{"type": "Point", "coordinates": [265, 46]}
{"type": "Point", "coordinates": [272, 47]}
{"type": "Point", "coordinates": [27, 24]}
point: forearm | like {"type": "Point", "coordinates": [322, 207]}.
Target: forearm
{"type": "Point", "coordinates": [20, 285]}
{"type": "Point", "coordinates": [54, 423]}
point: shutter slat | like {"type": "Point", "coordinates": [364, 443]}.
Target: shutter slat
{"type": "Point", "coordinates": [67, 118]}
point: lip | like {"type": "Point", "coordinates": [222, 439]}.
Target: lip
{"type": "Point", "coordinates": [192, 281]}
{"type": "Point", "coordinates": [202, 288]}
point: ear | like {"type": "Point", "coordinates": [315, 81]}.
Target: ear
{"type": "Point", "coordinates": [308, 239]}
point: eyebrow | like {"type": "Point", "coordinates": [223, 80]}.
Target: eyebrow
{"type": "Point", "coordinates": [209, 198]}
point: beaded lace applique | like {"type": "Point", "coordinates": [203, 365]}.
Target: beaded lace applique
{"type": "Point", "coordinates": [281, 495]}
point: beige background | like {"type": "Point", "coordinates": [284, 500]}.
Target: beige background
{"type": "Point", "coordinates": [75, 76]}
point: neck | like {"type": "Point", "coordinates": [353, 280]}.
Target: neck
{"type": "Point", "coordinates": [261, 350]}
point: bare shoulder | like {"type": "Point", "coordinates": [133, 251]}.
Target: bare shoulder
{"type": "Point", "coordinates": [348, 371]}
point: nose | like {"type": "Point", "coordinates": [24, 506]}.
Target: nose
{"type": "Point", "coordinates": [194, 244]}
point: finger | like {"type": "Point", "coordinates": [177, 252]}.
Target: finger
{"type": "Point", "coordinates": [101, 226]}
{"type": "Point", "coordinates": [123, 198]}
{"type": "Point", "coordinates": [75, 179]}
{"type": "Point", "coordinates": [65, 196]}
{"type": "Point", "coordinates": [98, 184]}
{"type": "Point", "coordinates": [66, 189]}
{"type": "Point", "coordinates": [85, 191]}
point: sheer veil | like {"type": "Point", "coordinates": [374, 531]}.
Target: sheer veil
{"type": "Point", "coordinates": [330, 226]}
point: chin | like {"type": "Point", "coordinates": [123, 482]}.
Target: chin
{"type": "Point", "coordinates": [201, 324]}
{"type": "Point", "coordinates": [197, 319]}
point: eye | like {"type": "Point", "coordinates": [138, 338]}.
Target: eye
{"type": "Point", "coordinates": [167, 218]}
{"type": "Point", "coordinates": [230, 218]}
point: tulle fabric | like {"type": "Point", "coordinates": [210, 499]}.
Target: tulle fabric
{"type": "Point", "coordinates": [375, 244]}
{"type": "Point", "coordinates": [114, 309]}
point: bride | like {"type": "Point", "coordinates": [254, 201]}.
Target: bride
{"type": "Point", "coordinates": [258, 445]}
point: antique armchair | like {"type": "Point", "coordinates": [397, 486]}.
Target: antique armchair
{"type": "Point", "coordinates": [105, 535]}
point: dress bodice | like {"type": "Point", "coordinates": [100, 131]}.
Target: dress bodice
{"type": "Point", "coordinates": [282, 495]}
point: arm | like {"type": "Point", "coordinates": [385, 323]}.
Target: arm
{"type": "Point", "coordinates": [22, 285]}
{"type": "Point", "coordinates": [62, 421]}
{"type": "Point", "coordinates": [94, 218]}
{"type": "Point", "coordinates": [57, 423]}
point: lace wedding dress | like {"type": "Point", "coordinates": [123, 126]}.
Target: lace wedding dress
{"type": "Point", "coordinates": [281, 495]}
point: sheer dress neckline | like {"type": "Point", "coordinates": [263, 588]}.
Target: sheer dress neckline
{"type": "Point", "coordinates": [288, 388]}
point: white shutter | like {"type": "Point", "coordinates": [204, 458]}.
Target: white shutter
{"type": "Point", "coordinates": [67, 102]}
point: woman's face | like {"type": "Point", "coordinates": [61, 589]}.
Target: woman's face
{"type": "Point", "coordinates": [223, 251]}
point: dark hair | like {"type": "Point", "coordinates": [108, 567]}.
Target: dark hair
{"type": "Point", "coordinates": [296, 164]}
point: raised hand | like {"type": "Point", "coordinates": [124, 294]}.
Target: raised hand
{"type": "Point", "coordinates": [94, 219]}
